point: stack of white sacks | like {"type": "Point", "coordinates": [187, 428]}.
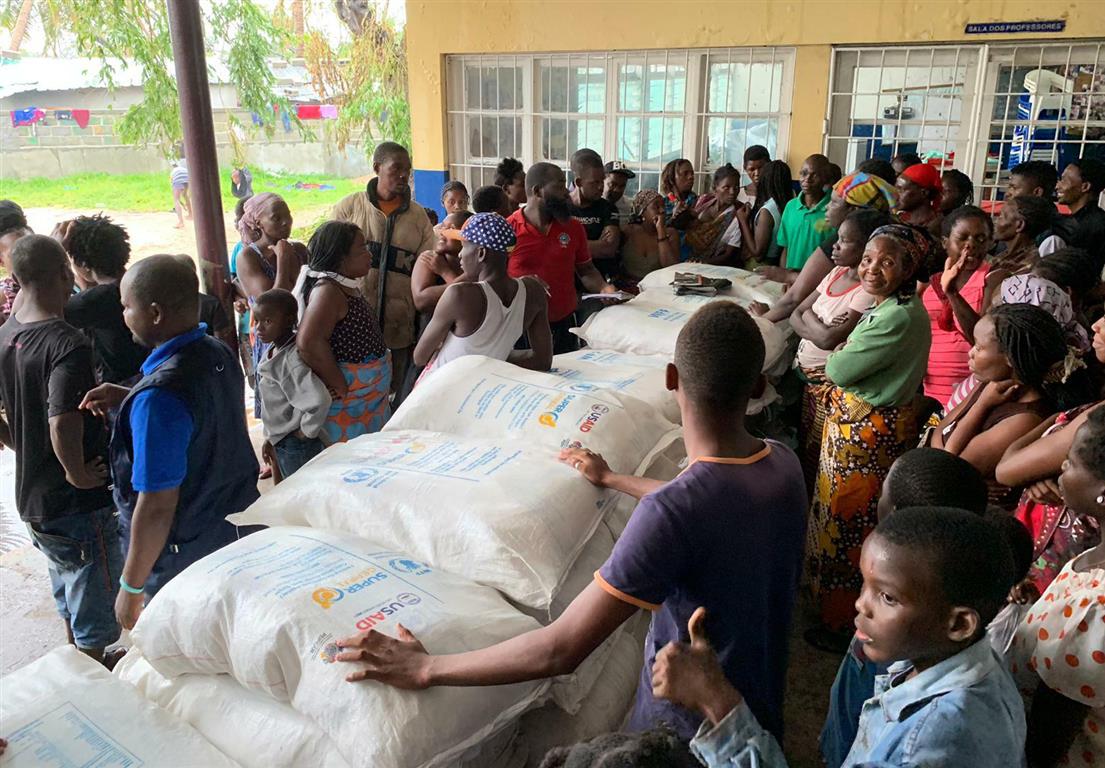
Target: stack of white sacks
{"type": "Point", "coordinates": [457, 521]}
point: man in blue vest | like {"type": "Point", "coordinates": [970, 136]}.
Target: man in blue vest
{"type": "Point", "coordinates": [181, 457]}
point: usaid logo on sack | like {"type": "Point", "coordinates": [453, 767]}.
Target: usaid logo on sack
{"type": "Point", "coordinates": [598, 410]}
{"type": "Point", "coordinates": [412, 567]}
{"type": "Point", "coordinates": [360, 475]}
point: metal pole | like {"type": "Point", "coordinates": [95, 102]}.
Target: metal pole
{"type": "Point", "coordinates": [186, 31]}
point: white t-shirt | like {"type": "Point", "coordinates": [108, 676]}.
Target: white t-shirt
{"type": "Point", "coordinates": [830, 304]}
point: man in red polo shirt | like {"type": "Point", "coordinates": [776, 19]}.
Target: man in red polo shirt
{"type": "Point", "coordinates": [553, 246]}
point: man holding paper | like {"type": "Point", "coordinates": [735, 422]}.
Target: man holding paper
{"type": "Point", "coordinates": [553, 246]}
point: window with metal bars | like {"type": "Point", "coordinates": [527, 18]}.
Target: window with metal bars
{"type": "Point", "coordinates": [979, 108]}
{"type": "Point", "coordinates": [644, 108]}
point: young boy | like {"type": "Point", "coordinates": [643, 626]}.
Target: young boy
{"type": "Point", "coordinates": [933, 578]}
{"type": "Point", "coordinates": [491, 199]}
{"type": "Point", "coordinates": [802, 227]}
{"type": "Point", "coordinates": [489, 315]}
{"type": "Point", "coordinates": [180, 454]}
{"type": "Point", "coordinates": [294, 401]}
{"type": "Point", "coordinates": [61, 479]}
{"type": "Point", "coordinates": [698, 540]}
{"type": "Point", "coordinates": [923, 477]}
{"type": "Point", "coordinates": [100, 250]}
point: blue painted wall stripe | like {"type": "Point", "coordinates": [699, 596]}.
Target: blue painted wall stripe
{"type": "Point", "coordinates": [427, 189]}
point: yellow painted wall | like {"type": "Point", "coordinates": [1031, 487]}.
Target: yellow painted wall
{"type": "Point", "coordinates": [436, 28]}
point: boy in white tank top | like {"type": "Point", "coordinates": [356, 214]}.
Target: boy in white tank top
{"type": "Point", "coordinates": [489, 315]}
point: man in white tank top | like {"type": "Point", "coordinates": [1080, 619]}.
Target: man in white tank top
{"type": "Point", "coordinates": [489, 316]}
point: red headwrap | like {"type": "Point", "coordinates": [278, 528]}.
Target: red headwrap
{"type": "Point", "coordinates": [926, 176]}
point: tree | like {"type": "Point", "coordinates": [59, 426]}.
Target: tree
{"type": "Point", "coordinates": [367, 79]}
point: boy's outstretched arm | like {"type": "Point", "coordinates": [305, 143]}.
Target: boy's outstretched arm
{"type": "Point", "coordinates": [594, 467]}
{"type": "Point", "coordinates": [546, 652]}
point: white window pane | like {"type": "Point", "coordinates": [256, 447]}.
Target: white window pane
{"type": "Point", "coordinates": [666, 88]}
{"type": "Point", "coordinates": [630, 78]}
{"type": "Point", "coordinates": [727, 138]}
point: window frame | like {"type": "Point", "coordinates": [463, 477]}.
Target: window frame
{"type": "Point", "coordinates": [694, 112]}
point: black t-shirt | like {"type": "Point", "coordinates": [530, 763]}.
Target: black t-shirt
{"type": "Point", "coordinates": [1086, 230]}
{"type": "Point", "coordinates": [595, 217]}
{"type": "Point", "coordinates": [45, 371]}
{"type": "Point", "coordinates": [212, 313]}
{"type": "Point", "coordinates": [98, 311]}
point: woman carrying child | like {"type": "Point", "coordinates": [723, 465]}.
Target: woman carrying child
{"type": "Point", "coordinates": [824, 321]}
{"type": "Point", "coordinates": [1021, 361]}
{"type": "Point", "coordinates": [649, 244]}
{"type": "Point", "coordinates": [871, 421]}
{"type": "Point", "coordinates": [714, 237]}
{"type": "Point", "coordinates": [1058, 654]}
{"type": "Point", "coordinates": [339, 335]}
{"type": "Point", "coordinates": [1058, 532]}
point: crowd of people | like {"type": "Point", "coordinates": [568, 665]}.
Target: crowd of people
{"type": "Point", "coordinates": [942, 492]}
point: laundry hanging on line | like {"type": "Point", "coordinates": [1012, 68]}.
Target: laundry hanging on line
{"type": "Point", "coordinates": [28, 116]}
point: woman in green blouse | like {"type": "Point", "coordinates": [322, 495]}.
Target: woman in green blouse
{"type": "Point", "coordinates": [871, 421]}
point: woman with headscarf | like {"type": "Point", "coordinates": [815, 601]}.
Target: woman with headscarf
{"type": "Point", "coordinates": [339, 335]}
{"type": "Point", "coordinates": [858, 191]}
{"type": "Point", "coordinates": [268, 259]}
{"type": "Point", "coordinates": [871, 421]}
{"type": "Point", "coordinates": [649, 243]}
{"type": "Point", "coordinates": [920, 190]}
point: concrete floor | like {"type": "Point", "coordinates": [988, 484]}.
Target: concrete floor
{"type": "Point", "coordinates": [29, 626]}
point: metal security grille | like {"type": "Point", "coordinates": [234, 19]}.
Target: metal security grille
{"type": "Point", "coordinates": [886, 101]}
{"type": "Point", "coordinates": [981, 108]}
{"type": "Point", "coordinates": [1038, 102]}
{"type": "Point", "coordinates": [644, 108]}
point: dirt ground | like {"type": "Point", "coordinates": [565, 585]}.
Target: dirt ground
{"type": "Point", "coordinates": [152, 233]}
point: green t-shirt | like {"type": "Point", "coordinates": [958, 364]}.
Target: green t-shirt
{"type": "Point", "coordinates": [885, 357]}
{"type": "Point", "coordinates": [802, 230]}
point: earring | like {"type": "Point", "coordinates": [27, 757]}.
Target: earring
{"type": "Point", "coordinates": [1101, 500]}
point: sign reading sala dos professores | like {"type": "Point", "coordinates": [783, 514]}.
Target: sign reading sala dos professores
{"type": "Point", "coordinates": [1015, 27]}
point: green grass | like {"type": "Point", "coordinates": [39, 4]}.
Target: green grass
{"type": "Point", "coordinates": [150, 192]}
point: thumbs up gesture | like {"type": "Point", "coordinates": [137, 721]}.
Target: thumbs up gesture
{"type": "Point", "coordinates": [690, 675]}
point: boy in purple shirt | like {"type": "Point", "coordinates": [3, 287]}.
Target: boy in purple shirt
{"type": "Point", "coordinates": [727, 534]}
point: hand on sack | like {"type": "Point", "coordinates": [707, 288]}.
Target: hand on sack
{"type": "Point", "coordinates": [400, 663]}
{"type": "Point", "coordinates": [589, 464]}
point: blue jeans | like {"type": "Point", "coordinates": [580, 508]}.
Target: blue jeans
{"type": "Point", "coordinates": [86, 561]}
{"type": "Point", "coordinates": [293, 452]}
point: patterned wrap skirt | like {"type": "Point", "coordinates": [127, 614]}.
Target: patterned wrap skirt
{"type": "Point", "coordinates": [365, 408]}
{"type": "Point", "coordinates": [811, 425]}
{"type": "Point", "coordinates": [859, 445]}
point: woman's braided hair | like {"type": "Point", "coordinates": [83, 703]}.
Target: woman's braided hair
{"type": "Point", "coordinates": [1036, 347]}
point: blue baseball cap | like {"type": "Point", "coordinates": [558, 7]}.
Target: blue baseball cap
{"type": "Point", "coordinates": [489, 230]}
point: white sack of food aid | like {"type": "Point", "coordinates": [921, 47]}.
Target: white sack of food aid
{"type": "Point", "coordinates": [257, 731]}
{"type": "Point", "coordinates": [254, 729]}
{"type": "Point", "coordinates": [66, 709]}
{"type": "Point", "coordinates": [477, 396]}
{"type": "Point", "coordinates": [497, 511]}
{"type": "Point", "coordinates": [650, 325]}
{"type": "Point", "coordinates": [269, 609]}
{"type": "Point", "coordinates": [746, 286]}
{"type": "Point", "coordinates": [603, 710]}
{"type": "Point", "coordinates": [639, 376]}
